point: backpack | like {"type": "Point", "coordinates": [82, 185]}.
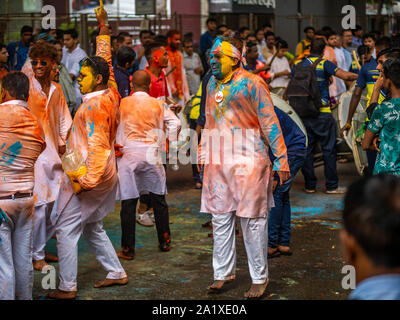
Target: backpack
{"type": "Point", "coordinates": [303, 91]}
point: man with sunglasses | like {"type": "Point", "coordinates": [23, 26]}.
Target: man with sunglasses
{"type": "Point", "coordinates": [48, 105]}
{"type": "Point", "coordinates": [93, 135]}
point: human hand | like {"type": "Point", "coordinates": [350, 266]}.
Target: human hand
{"type": "Point", "coordinates": [198, 70]}
{"type": "Point", "coordinates": [375, 144]}
{"type": "Point", "coordinates": [101, 14]}
{"type": "Point", "coordinates": [379, 83]}
{"type": "Point", "coordinates": [62, 149]}
{"type": "Point", "coordinates": [275, 184]}
{"type": "Point", "coordinates": [283, 176]}
{"type": "Point", "coordinates": [118, 152]}
{"type": "Point", "coordinates": [345, 130]}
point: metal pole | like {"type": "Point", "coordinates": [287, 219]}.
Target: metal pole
{"type": "Point", "coordinates": [299, 20]}
{"type": "Point", "coordinates": [84, 32]}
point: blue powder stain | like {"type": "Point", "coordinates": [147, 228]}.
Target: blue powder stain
{"type": "Point", "coordinates": [306, 212]}
{"type": "Point", "coordinates": [4, 144]}
{"type": "Point", "coordinates": [11, 153]}
{"type": "Point", "coordinates": [91, 125]}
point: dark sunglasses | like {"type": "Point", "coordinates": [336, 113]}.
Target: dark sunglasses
{"type": "Point", "coordinates": [42, 63]}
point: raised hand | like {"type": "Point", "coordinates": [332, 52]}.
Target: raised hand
{"type": "Point", "coordinates": [101, 14]}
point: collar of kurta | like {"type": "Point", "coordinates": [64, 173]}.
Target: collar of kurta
{"type": "Point", "coordinates": [38, 87]}
{"type": "Point", "coordinates": [21, 103]}
{"type": "Point", "coordinates": [91, 95]}
{"type": "Point", "coordinates": [140, 93]}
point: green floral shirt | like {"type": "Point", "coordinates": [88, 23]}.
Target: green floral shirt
{"type": "Point", "coordinates": [385, 121]}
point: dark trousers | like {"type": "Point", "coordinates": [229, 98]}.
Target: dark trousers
{"type": "Point", "coordinates": [280, 215]}
{"type": "Point", "coordinates": [128, 220]}
{"type": "Point", "coordinates": [323, 130]}
{"type": "Point", "coordinates": [145, 199]}
{"type": "Point", "coordinates": [371, 156]}
{"type": "Point", "coordinates": [193, 156]}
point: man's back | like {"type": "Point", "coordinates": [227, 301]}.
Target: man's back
{"type": "Point", "coordinates": [21, 142]}
{"type": "Point", "coordinates": [324, 70]}
{"type": "Point", "coordinates": [140, 114]}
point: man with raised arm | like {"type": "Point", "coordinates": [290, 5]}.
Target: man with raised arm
{"type": "Point", "coordinates": [92, 136]}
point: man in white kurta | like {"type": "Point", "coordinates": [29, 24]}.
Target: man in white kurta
{"type": "Point", "coordinates": [140, 169]}
{"type": "Point", "coordinates": [241, 125]}
{"type": "Point", "coordinates": [21, 142]}
{"type": "Point", "coordinates": [93, 135]}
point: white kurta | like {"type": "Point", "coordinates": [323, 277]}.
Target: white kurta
{"type": "Point", "coordinates": [140, 132]}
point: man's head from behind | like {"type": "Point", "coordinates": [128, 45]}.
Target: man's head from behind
{"type": "Point", "coordinates": [358, 31]}
{"type": "Point", "coordinates": [141, 81]}
{"type": "Point", "coordinates": [126, 58]}
{"type": "Point", "coordinates": [371, 218]}
{"type": "Point", "coordinates": [70, 38]}
{"type": "Point", "coordinates": [252, 51]}
{"type": "Point", "coordinates": [43, 57]}
{"type": "Point", "coordinates": [14, 86]}
{"type": "Point", "coordinates": [156, 55]}
{"type": "Point", "coordinates": [318, 47]}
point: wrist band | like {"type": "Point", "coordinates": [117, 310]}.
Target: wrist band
{"type": "Point", "coordinates": [103, 25]}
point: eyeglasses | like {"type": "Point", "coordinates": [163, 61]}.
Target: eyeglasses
{"type": "Point", "coordinates": [36, 62]}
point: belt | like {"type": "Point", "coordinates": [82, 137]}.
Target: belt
{"type": "Point", "coordinates": [17, 196]}
{"type": "Point", "coordinates": [325, 110]}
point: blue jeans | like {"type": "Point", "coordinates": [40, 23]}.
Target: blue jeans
{"type": "Point", "coordinates": [279, 216]}
{"type": "Point", "coordinates": [322, 129]}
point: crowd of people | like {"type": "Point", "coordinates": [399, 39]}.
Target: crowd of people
{"type": "Point", "coordinates": [77, 130]}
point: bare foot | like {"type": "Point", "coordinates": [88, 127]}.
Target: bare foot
{"type": "Point", "coordinates": [256, 290]}
{"type": "Point", "coordinates": [59, 294]}
{"type": "Point", "coordinates": [38, 265]}
{"type": "Point", "coordinates": [50, 258]}
{"type": "Point", "coordinates": [273, 252]}
{"type": "Point", "coordinates": [285, 250]}
{"type": "Point", "coordinates": [125, 255]}
{"type": "Point", "coordinates": [111, 282]}
{"type": "Point", "coordinates": [217, 285]}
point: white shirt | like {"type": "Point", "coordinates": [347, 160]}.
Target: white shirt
{"type": "Point", "coordinates": [279, 65]}
{"type": "Point", "coordinates": [341, 63]}
{"type": "Point", "coordinates": [192, 63]}
{"type": "Point", "coordinates": [71, 61]}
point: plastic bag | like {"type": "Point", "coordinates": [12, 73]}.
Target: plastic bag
{"type": "Point", "coordinates": [74, 166]}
